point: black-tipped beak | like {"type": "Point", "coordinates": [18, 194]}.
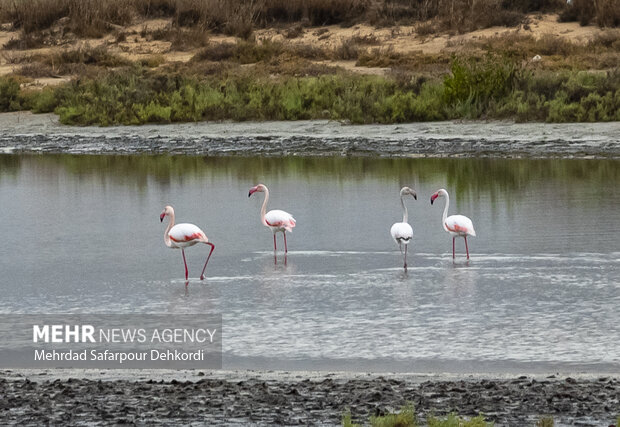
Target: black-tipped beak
{"type": "Point", "coordinates": [432, 200]}
{"type": "Point", "coordinates": [249, 193]}
{"type": "Point", "coordinates": [161, 217]}
{"type": "Point", "coordinates": [415, 196]}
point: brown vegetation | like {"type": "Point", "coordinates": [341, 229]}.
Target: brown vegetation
{"type": "Point", "coordinates": [95, 18]}
{"type": "Point", "coordinates": [605, 13]}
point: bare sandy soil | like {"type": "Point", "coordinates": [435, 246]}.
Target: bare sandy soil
{"type": "Point", "coordinates": [402, 39]}
{"type": "Point", "coordinates": [406, 38]}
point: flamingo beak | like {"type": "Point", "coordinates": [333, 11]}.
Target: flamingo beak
{"type": "Point", "coordinates": [161, 217]}
{"type": "Point", "coordinates": [415, 196]}
{"type": "Point", "coordinates": [433, 197]}
{"type": "Point", "coordinates": [252, 191]}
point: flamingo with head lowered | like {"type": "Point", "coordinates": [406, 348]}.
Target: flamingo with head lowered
{"type": "Point", "coordinates": [184, 235]}
{"type": "Point", "coordinates": [401, 232]}
{"type": "Point", "coordinates": [276, 219]}
{"type": "Point", "coordinates": [456, 225]}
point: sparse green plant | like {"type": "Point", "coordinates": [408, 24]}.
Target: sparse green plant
{"type": "Point", "coordinates": [347, 420]}
{"type": "Point", "coordinates": [453, 420]}
{"type": "Point", "coordinates": [545, 422]}
{"type": "Point", "coordinates": [406, 417]}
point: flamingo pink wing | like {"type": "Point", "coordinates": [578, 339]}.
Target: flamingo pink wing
{"type": "Point", "coordinates": [460, 224]}
{"type": "Point", "coordinates": [185, 233]}
{"type": "Point", "coordinates": [278, 218]}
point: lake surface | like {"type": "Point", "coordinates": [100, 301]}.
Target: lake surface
{"type": "Point", "coordinates": [541, 292]}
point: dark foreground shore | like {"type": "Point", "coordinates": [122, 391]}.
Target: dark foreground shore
{"type": "Point", "coordinates": [299, 399]}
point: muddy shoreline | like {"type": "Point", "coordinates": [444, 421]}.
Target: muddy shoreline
{"type": "Point", "coordinates": [28, 133]}
{"type": "Point", "coordinates": [247, 397]}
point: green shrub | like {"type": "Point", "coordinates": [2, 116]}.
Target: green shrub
{"type": "Point", "coordinates": [9, 94]}
{"type": "Point", "coordinates": [473, 82]}
{"type": "Point", "coordinates": [44, 101]}
{"type": "Point", "coordinates": [486, 88]}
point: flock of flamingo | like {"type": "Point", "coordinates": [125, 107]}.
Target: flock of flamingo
{"type": "Point", "coordinates": [181, 236]}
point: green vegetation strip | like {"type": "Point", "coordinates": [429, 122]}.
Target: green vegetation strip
{"type": "Point", "coordinates": [407, 417]}
{"type": "Point", "coordinates": [493, 87]}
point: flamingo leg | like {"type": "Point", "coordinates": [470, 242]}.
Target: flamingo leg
{"type": "Point", "coordinates": [184, 263]}
{"type": "Point", "coordinates": [406, 257]}
{"type": "Point", "coordinates": [400, 246]}
{"type": "Point", "coordinates": [453, 253]}
{"type": "Point", "coordinates": [274, 242]}
{"type": "Point", "coordinates": [466, 248]}
{"type": "Point", "coordinates": [202, 275]}
{"type": "Point", "coordinates": [285, 248]}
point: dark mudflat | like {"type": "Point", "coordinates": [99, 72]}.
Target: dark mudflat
{"type": "Point", "coordinates": [323, 400]}
{"type": "Point", "coordinates": [27, 133]}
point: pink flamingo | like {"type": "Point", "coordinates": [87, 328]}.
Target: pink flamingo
{"type": "Point", "coordinates": [276, 220]}
{"type": "Point", "coordinates": [401, 232]}
{"type": "Point", "coordinates": [184, 235]}
{"type": "Point", "coordinates": [456, 225]}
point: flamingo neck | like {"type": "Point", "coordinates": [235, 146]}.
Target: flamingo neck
{"type": "Point", "coordinates": [445, 212]}
{"type": "Point", "coordinates": [405, 213]}
{"type": "Point", "coordinates": [263, 209]}
{"type": "Point", "coordinates": [167, 240]}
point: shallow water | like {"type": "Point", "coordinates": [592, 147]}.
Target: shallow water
{"type": "Point", "coordinates": [541, 292]}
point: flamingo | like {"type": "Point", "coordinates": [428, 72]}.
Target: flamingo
{"type": "Point", "coordinates": [401, 232]}
{"type": "Point", "coordinates": [184, 235]}
{"type": "Point", "coordinates": [276, 219]}
{"type": "Point", "coordinates": [456, 225]}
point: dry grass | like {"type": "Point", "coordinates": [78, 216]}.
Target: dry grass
{"type": "Point", "coordinates": [89, 18]}
{"type": "Point", "coordinates": [180, 39]}
{"type": "Point", "coordinates": [368, 40]}
{"type": "Point", "coordinates": [405, 63]}
{"type": "Point", "coordinates": [549, 44]}
{"type": "Point", "coordinates": [245, 52]}
{"type": "Point", "coordinates": [294, 31]}
{"type": "Point", "coordinates": [36, 70]}
{"type": "Point", "coordinates": [605, 13]}
{"type": "Point", "coordinates": [80, 61]}
{"type": "Point", "coordinates": [600, 53]}
{"type": "Point", "coordinates": [153, 61]}
{"type": "Point", "coordinates": [87, 55]}
{"type": "Point", "coordinates": [25, 41]}
{"type": "Point", "coordinates": [347, 50]}
{"type": "Point", "coordinates": [95, 18]}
